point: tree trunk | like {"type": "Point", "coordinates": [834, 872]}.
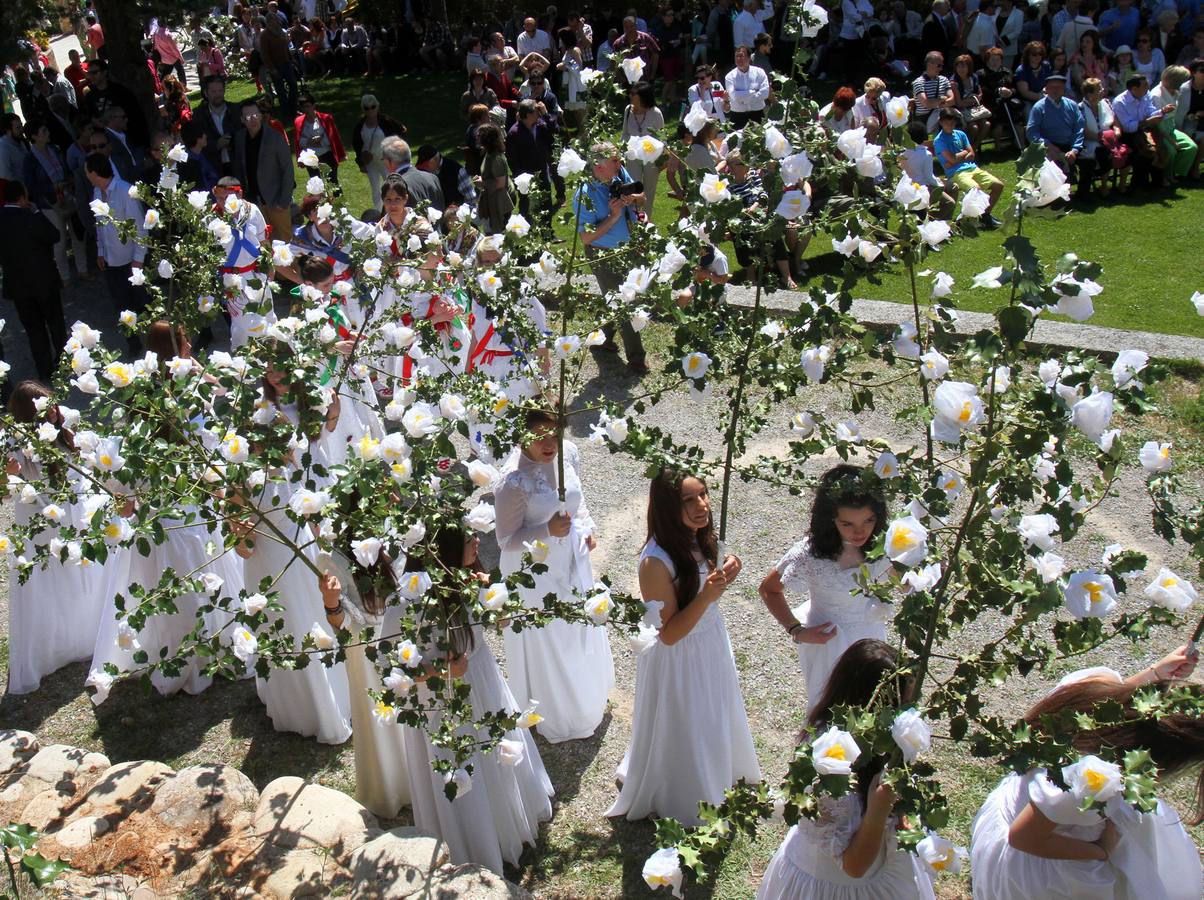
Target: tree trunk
{"type": "Point", "coordinates": [123, 30]}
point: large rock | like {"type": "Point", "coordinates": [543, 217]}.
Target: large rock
{"type": "Point", "coordinates": [82, 832]}
{"type": "Point", "coordinates": [58, 762]}
{"type": "Point", "coordinates": [292, 813]}
{"type": "Point", "coordinates": [124, 788]}
{"type": "Point", "coordinates": [471, 883]}
{"type": "Point", "coordinates": [47, 808]}
{"type": "Point", "coordinates": [16, 749]}
{"type": "Point", "coordinates": [209, 801]}
{"type": "Point", "coordinates": [395, 865]}
{"type": "Point", "coordinates": [301, 872]}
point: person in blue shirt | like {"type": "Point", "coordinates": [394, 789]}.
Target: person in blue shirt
{"type": "Point", "coordinates": [1119, 25]}
{"type": "Point", "coordinates": [1056, 122]}
{"type": "Point", "coordinates": [956, 156]}
{"type": "Point", "coordinates": [604, 214]}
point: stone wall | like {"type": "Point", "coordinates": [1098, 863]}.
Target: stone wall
{"type": "Point", "coordinates": [141, 830]}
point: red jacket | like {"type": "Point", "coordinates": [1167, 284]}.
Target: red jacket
{"type": "Point", "coordinates": [332, 134]}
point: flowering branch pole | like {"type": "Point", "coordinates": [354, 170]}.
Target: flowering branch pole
{"type": "Point", "coordinates": [737, 405]}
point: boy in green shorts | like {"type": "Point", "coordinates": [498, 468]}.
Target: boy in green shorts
{"type": "Point", "coordinates": [956, 157]}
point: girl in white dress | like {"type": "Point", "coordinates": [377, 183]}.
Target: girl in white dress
{"type": "Point", "coordinates": [382, 783]}
{"type": "Point", "coordinates": [565, 668]}
{"type": "Point", "coordinates": [489, 821]}
{"type": "Point", "coordinates": [845, 518]}
{"type": "Point", "coordinates": [186, 551]}
{"type": "Point", "coordinates": [53, 616]}
{"type": "Point", "coordinates": [851, 851]}
{"type": "Point", "coordinates": [1032, 839]}
{"type": "Point", "coordinates": [690, 740]}
{"type": "Point", "coordinates": [313, 701]}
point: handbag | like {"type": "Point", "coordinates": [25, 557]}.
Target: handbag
{"type": "Point", "coordinates": [1118, 152]}
{"type": "Point", "coordinates": [976, 113]}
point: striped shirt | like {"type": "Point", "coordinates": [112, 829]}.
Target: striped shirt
{"type": "Point", "coordinates": [932, 88]}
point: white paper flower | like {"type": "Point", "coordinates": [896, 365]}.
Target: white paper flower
{"type": "Point", "coordinates": [234, 448]}
{"type": "Point", "coordinates": [1155, 457]}
{"type": "Point", "coordinates": [165, 269]}
{"type": "Point", "coordinates": [639, 320]}
{"type": "Point", "coordinates": [100, 209]}
{"type": "Point", "coordinates": [309, 503]}
{"type": "Point", "coordinates": [1197, 300]}
{"type": "Point", "coordinates": [308, 158]}
{"type": "Point", "coordinates": [793, 205]}
{"type": "Point", "coordinates": [1049, 566]}
{"type": "Point", "coordinates": [695, 365]}
{"type": "Point", "coordinates": [906, 541]}
{"type": "Point", "coordinates": [991, 278]}
{"type": "Point", "coordinates": [975, 203]}
{"type": "Point", "coordinates": [934, 365]}
{"type": "Point", "coordinates": [570, 163]}
{"type": "Point", "coordinates": [1128, 364]}
{"type": "Point", "coordinates": [413, 585]}
{"type": "Point", "coordinates": [898, 111]}
{"type": "Point", "coordinates": [490, 282]}
{"type": "Point", "coordinates": [776, 143]}
{"type": "Point", "coordinates": [942, 285]}
{"type": "Point", "coordinates": [482, 474]}
{"type": "Point", "coordinates": [567, 345]}
{"type": "Point", "coordinates": [315, 186]}
{"type": "Point", "coordinates": [408, 655]}
{"type": "Point", "coordinates": [510, 752]}
{"type": "Point", "coordinates": [597, 606]}
{"type": "Point", "coordinates": [999, 380]}
{"type": "Point", "coordinates": [1092, 414]}
{"type": "Point", "coordinates": [916, 581]}
{"type": "Point", "coordinates": [530, 718]}
{"type": "Point", "coordinates": [421, 420]}
{"type": "Point", "coordinates": [663, 869]}
{"type": "Point", "coordinates": [939, 856]}
{"type": "Point", "coordinates": [151, 220]}
{"type": "Point", "coordinates": [958, 407]}
{"type": "Point", "coordinates": [848, 432]}
{"type": "Point", "coordinates": [1051, 185]}
{"type": "Point", "coordinates": [244, 643]}
{"type": "Point", "coordinates": [481, 518]}
{"type": "Point", "coordinates": [282, 254]}
{"type": "Point", "coordinates": [1038, 530]}
{"type": "Point", "coordinates": [398, 682]}
{"type": "Point", "coordinates": [1091, 778]}
{"type": "Point", "coordinates": [460, 779]}
{"type": "Point", "coordinates": [796, 168]}
{"type": "Point", "coordinates": [644, 148]}
{"type": "Point", "coordinates": [1090, 594]}
{"type": "Point", "coordinates": [696, 118]}
{"type": "Point", "coordinates": [911, 734]}
{"type": "Point", "coordinates": [904, 342]}
{"type": "Point", "coordinates": [868, 250]}
{"type": "Point", "coordinates": [523, 182]}
{"type": "Point", "coordinates": [538, 550]}
{"type": "Point", "coordinates": [495, 596]}
{"type": "Point", "coordinates": [813, 360]}
{"type": "Point", "coordinates": [1170, 591]}
{"type": "Point", "coordinates": [633, 68]}
{"type": "Point", "coordinates": [834, 752]}
{"type": "Point", "coordinates": [803, 424]}
{"type": "Point", "coordinates": [371, 267]}
{"type": "Point", "coordinates": [517, 226]}
{"type": "Point", "coordinates": [886, 465]}
{"type": "Point", "coordinates": [714, 189]}
{"type": "Point", "coordinates": [366, 550]}
{"type": "Point", "coordinates": [910, 194]}
{"type": "Point", "coordinates": [934, 231]}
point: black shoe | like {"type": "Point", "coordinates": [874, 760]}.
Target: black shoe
{"type": "Point", "coordinates": [989, 223]}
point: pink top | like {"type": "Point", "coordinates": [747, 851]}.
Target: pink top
{"type": "Point", "coordinates": [169, 51]}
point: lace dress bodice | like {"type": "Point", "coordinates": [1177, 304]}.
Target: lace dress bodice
{"type": "Point", "coordinates": [833, 591]}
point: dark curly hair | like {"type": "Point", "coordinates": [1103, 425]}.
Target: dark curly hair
{"type": "Point", "coordinates": [844, 485]}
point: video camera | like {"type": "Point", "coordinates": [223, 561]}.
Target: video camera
{"type": "Point", "coordinates": [620, 189]}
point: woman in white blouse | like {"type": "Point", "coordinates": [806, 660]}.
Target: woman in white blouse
{"type": "Point", "coordinates": [709, 92]}
{"type": "Point", "coordinates": [1097, 118]}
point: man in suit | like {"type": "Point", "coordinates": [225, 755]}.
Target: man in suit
{"type": "Point", "coordinates": [31, 279]}
{"type": "Point", "coordinates": [221, 121]}
{"type": "Point", "coordinates": [934, 36]}
{"type": "Point", "coordinates": [263, 164]}
{"type": "Point", "coordinates": [395, 157]}
{"type": "Point", "coordinates": [197, 169]}
{"type": "Point", "coordinates": [126, 159]}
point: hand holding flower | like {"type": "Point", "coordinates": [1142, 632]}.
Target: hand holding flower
{"type": "Point", "coordinates": [559, 525]}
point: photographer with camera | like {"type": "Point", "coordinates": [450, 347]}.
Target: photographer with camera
{"type": "Point", "coordinates": [605, 208]}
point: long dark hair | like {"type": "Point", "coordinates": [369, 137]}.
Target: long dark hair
{"type": "Point", "coordinates": [445, 550]}
{"type": "Point", "coordinates": [1175, 741]}
{"type": "Point", "coordinates": [666, 527]}
{"type": "Point", "coordinates": [866, 674]}
{"type": "Point", "coordinates": [842, 485]}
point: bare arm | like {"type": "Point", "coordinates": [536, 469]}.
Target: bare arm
{"type": "Point", "coordinates": [1033, 832]}
{"type": "Point", "coordinates": [867, 842]}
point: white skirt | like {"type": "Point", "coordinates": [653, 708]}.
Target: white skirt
{"type": "Point", "coordinates": [801, 871]}
{"type": "Point", "coordinates": [184, 551]}
{"type": "Point", "coordinates": [1155, 858]}
{"type": "Point", "coordinates": [313, 701]}
{"type": "Point", "coordinates": [502, 810]}
{"type": "Point", "coordinates": [818, 660]}
{"type": "Point", "coordinates": [52, 620]}
{"type": "Point", "coordinates": [689, 735]}
{"type": "Point", "coordinates": [568, 670]}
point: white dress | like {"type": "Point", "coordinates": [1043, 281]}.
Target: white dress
{"type": "Point", "coordinates": [833, 597]}
{"type": "Point", "coordinates": [690, 739]}
{"type": "Point", "coordinates": [808, 866]}
{"type": "Point", "coordinates": [53, 616]}
{"type": "Point", "coordinates": [186, 552]}
{"type": "Point", "coordinates": [566, 668]}
{"type": "Point", "coordinates": [313, 701]}
{"type": "Point", "coordinates": [502, 810]}
{"type": "Point", "coordinates": [382, 782]}
{"type": "Point", "coordinates": [1155, 858]}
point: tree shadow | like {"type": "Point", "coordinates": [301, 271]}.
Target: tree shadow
{"type": "Point", "coordinates": [567, 762]}
{"type": "Point", "coordinates": [273, 754]}
{"type": "Point", "coordinates": [28, 712]}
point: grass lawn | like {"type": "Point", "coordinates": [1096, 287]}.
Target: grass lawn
{"type": "Point", "coordinates": [1148, 279]}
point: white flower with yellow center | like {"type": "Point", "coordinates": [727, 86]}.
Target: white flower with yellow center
{"type": "Point", "coordinates": [1170, 591]}
{"type": "Point", "coordinates": [100, 209]}
{"type": "Point", "coordinates": [567, 345]}
{"type": "Point", "coordinates": [517, 226]}
{"type": "Point", "coordinates": [813, 361]}
{"type": "Point", "coordinates": [119, 374]}
{"type": "Point", "coordinates": [244, 643]}
{"type": "Point", "coordinates": [421, 420]}
{"type": "Point", "coordinates": [54, 512]}
{"type": "Point", "coordinates": [309, 503]}
{"type": "Point", "coordinates": [906, 541]}
{"type": "Point", "coordinates": [127, 638]}
{"type": "Point", "coordinates": [538, 549]}
{"type": "Point", "coordinates": [308, 158]}
{"type": "Point", "coordinates": [714, 189]}
{"type": "Point", "coordinates": [958, 408]}
{"type": "Point", "coordinates": [644, 148]}
{"type": "Point", "coordinates": [116, 530]}
{"type": "Point", "coordinates": [367, 447]}
{"type": "Point", "coordinates": [695, 365]}
{"type": "Point", "coordinates": [917, 581]}
{"type": "Point", "coordinates": [489, 282]}
{"type": "Point", "coordinates": [663, 869]}
{"type": "Point", "coordinates": [1092, 778]}
{"type": "Point", "coordinates": [530, 718]}
{"type": "Point", "coordinates": [803, 425]}
{"type": "Point", "coordinates": [482, 474]}
{"type": "Point", "coordinates": [384, 713]}
{"type": "Point", "coordinates": [940, 856]}
{"type": "Point", "coordinates": [408, 655]}
{"type": "Point", "coordinates": [1090, 594]}
{"type": "Point", "coordinates": [910, 194]}
{"type": "Point", "coordinates": [495, 596]}
{"type": "Point", "coordinates": [934, 365]}
{"type": "Point", "coordinates": [402, 471]}
{"type": "Point", "coordinates": [887, 465]}
{"type": "Point", "coordinates": [598, 606]}
{"type": "Point", "coordinates": [1155, 457]}
{"type": "Point", "coordinates": [633, 68]}
{"type": "Point", "coordinates": [570, 162]}
{"type": "Point", "coordinates": [6, 545]}
{"type": "Point", "coordinates": [776, 143]}
{"type": "Point", "coordinates": [793, 205]}
{"type": "Point", "coordinates": [366, 550]}
{"type": "Point", "coordinates": [898, 112]}
{"type": "Point", "coordinates": [413, 585]}
{"type": "Point", "coordinates": [950, 482]}
{"type": "Point", "coordinates": [234, 448]}
{"type": "Point", "coordinates": [834, 752]}
{"type": "Point", "coordinates": [640, 319]}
